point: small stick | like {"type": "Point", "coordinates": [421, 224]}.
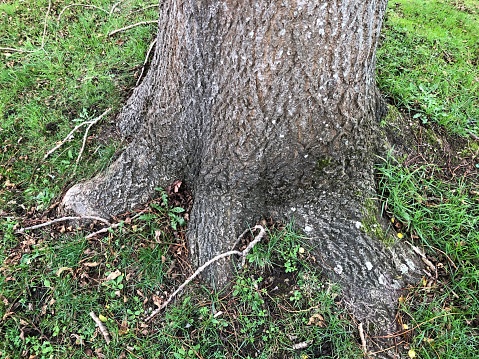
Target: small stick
{"type": "Point", "coordinates": [208, 263]}
{"type": "Point", "coordinates": [424, 258]}
{"type": "Point", "coordinates": [85, 136]}
{"type": "Point", "coordinates": [82, 5]}
{"type": "Point", "coordinates": [62, 219]}
{"type": "Point", "coordinates": [115, 6]}
{"type": "Point", "coordinates": [11, 49]}
{"type": "Point", "coordinates": [113, 226]}
{"type": "Point", "coordinates": [146, 60]}
{"type": "Point", "coordinates": [68, 137]}
{"type": "Point", "coordinates": [363, 339]}
{"type": "Point", "coordinates": [132, 26]}
{"type": "Point", "coordinates": [45, 24]}
{"type": "Point", "coordinates": [101, 326]}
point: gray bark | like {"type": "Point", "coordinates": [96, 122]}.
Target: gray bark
{"type": "Point", "coordinates": [264, 108]}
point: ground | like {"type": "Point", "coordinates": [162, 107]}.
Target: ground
{"type": "Point", "coordinates": [71, 71]}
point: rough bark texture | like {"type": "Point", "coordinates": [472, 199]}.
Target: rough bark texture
{"type": "Point", "coordinates": [264, 108]}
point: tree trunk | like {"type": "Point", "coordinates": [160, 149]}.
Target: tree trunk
{"type": "Point", "coordinates": [264, 108]}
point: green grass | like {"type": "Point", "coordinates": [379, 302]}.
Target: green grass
{"type": "Point", "coordinates": [443, 218]}
{"type": "Point", "coordinates": [50, 280]}
{"type": "Point", "coordinates": [428, 63]}
{"type": "Point", "coordinates": [44, 93]}
{"type": "Point", "coordinates": [49, 290]}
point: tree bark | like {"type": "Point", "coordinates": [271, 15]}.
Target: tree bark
{"type": "Point", "coordinates": [264, 108]}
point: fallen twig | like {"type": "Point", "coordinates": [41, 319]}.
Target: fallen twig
{"type": "Point", "coordinates": [69, 136]}
{"type": "Point", "coordinates": [132, 26]}
{"type": "Point", "coordinates": [115, 6]}
{"type": "Point", "coordinates": [101, 326]}
{"type": "Point", "coordinates": [363, 339]}
{"type": "Point", "coordinates": [44, 35]}
{"type": "Point", "coordinates": [424, 258]}
{"type": "Point", "coordinates": [208, 263]}
{"type": "Point", "coordinates": [82, 5]}
{"type": "Point", "coordinates": [85, 136]}
{"type": "Point", "coordinates": [146, 60]}
{"type": "Point", "coordinates": [113, 226]}
{"type": "Point", "coordinates": [62, 219]}
{"type": "Point", "coordinates": [45, 25]}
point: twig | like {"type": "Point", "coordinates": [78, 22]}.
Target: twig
{"type": "Point", "coordinates": [82, 5]}
{"type": "Point", "coordinates": [62, 219]}
{"type": "Point", "coordinates": [85, 136]}
{"type": "Point", "coordinates": [113, 226]}
{"type": "Point", "coordinates": [44, 35]}
{"type": "Point", "coordinates": [115, 6]}
{"type": "Point", "coordinates": [45, 24]}
{"type": "Point", "coordinates": [132, 26]}
{"type": "Point", "coordinates": [416, 326]}
{"type": "Point", "coordinates": [153, 43]}
{"type": "Point", "coordinates": [11, 49]}
{"type": "Point", "coordinates": [424, 258]}
{"type": "Point", "coordinates": [144, 8]}
{"type": "Point", "coordinates": [101, 326]}
{"type": "Point", "coordinates": [363, 339]}
{"type": "Point", "coordinates": [68, 137]}
{"type": "Point", "coordinates": [207, 264]}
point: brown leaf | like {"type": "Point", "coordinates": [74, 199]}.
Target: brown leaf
{"type": "Point", "coordinates": [318, 320]}
{"type": "Point", "coordinates": [123, 328]}
{"type": "Point", "coordinates": [90, 264]}
{"type": "Point", "coordinates": [113, 275]}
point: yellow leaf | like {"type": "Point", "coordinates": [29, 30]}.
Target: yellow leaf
{"type": "Point", "coordinates": [405, 326]}
{"type": "Point", "coordinates": [102, 318]}
{"type": "Point", "coordinates": [411, 353]}
{"type": "Point", "coordinates": [400, 235]}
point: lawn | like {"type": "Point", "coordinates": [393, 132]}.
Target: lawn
{"type": "Point", "coordinates": [62, 68]}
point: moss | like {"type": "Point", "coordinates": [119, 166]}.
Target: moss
{"type": "Point", "coordinates": [322, 163]}
{"type": "Point", "coordinates": [372, 224]}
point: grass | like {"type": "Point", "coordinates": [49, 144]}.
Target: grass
{"type": "Point", "coordinates": [77, 74]}
{"type": "Point", "coordinates": [429, 62]}
{"type": "Point", "coordinates": [50, 280]}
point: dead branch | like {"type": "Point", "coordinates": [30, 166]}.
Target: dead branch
{"type": "Point", "coordinates": [144, 63]}
{"type": "Point", "coordinates": [82, 5]}
{"type": "Point", "coordinates": [11, 49]}
{"type": "Point", "coordinates": [69, 136]}
{"type": "Point", "coordinates": [62, 219]}
{"type": "Point", "coordinates": [101, 326]}
{"type": "Point", "coordinates": [132, 26]}
{"type": "Point", "coordinates": [85, 136]}
{"type": "Point", "coordinates": [363, 339]}
{"type": "Point", "coordinates": [113, 226]}
{"type": "Point", "coordinates": [207, 264]}
{"type": "Point", "coordinates": [115, 6]}
{"type": "Point", "coordinates": [45, 24]}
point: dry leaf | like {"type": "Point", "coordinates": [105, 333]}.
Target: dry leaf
{"type": "Point", "coordinates": [90, 264]}
{"type": "Point", "coordinates": [62, 269]}
{"type": "Point", "coordinates": [123, 328]}
{"type": "Point", "coordinates": [318, 320]}
{"type": "Point", "coordinates": [113, 275]}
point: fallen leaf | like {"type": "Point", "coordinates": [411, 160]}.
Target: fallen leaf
{"type": "Point", "coordinates": [113, 275]}
{"type": "Point", "coordinates": [90, 264]}
{"type": "Point", "coordinates": [63, 269]}
{"type": "Point", "coordinates": [123, 328]}
{"type": "Point", "coordinates": [318, 320]}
